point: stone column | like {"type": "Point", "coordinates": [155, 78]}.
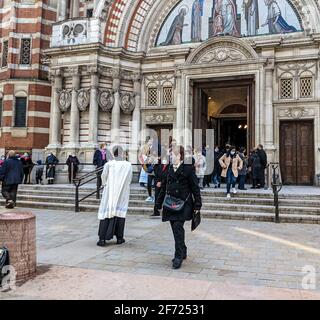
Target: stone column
{"type": "Point", "coordinates": [75, 8]}
{"type": "Point", "coordinates": [268, 112]}
{"type": "Point", "coordinates": [62, 10]}
{"type": "Point", "coordinates": [55, 115]}
{"type": "Point", "coordinates": [94, 108]}
{"type": "Point", "coordinates": [179, 104]}
{"type": "Point", "coordinates": [136, 119]}
{"type": "Point", "coordinates": [115, 117]}
{"type": "Point", "coordinates": [74, 114]}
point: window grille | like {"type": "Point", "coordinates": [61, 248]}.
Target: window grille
{"type": "Point", "coordinates": [306, 85]}
{"type": "Point", "coordinates": [5, 49]}
{"type": "Point", "coordinates": [286, 88]}
{"type": "Point", "coordinates": [152, 96]}
{"type": "Point", "coordinates": [25, 57]}
{"type": "Point", "coordinates": [167, 95]}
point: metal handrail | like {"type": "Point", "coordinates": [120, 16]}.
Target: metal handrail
{"type": "Point", "coordinates": [85, 179]}
{"type": "Point", "coordinates": [81, 181]}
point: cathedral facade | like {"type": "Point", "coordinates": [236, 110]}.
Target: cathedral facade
{"type": "Point", "coordinates": [246, 70]}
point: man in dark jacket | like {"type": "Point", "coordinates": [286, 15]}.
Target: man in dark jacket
{"type": "Point", "coordinates": [11, 175]}
{"type": "Point", "coordinates": [100, 158]}
{"type": "Point", "coordinates": [264, 162]}
{"type": "Point", "coordinates": [73, 167]}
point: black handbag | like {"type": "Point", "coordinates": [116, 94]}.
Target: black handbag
{"type": "Point", "coordinates": [174, 204]}
{"type": "Point", "coordinates": [4, 261]}
{"type": "Point", "coordinates": [196, 220]}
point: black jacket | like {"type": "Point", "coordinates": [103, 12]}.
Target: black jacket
{"type": "Point", "coordinates": [73, 160]}
{"type": "Point", "coordinates": [263, 158]}
{"type": "Point", "coordinates": [97, 158]}
{"type": "Point", "coordinates": [11, 171]}
{"type": "Point", "coordinates": [180, 184]}
{"type": "Point", "coordinates": [160, 172]}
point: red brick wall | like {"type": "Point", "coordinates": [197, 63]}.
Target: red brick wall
{"type": "Point", "coordinates": [14, 74]}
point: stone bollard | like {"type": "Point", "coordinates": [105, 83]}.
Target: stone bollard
{"type": "Point", "coordinates": [18, 234]}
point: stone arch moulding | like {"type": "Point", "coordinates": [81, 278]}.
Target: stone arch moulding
{"type": "Point", "coordinates": [224, 49]}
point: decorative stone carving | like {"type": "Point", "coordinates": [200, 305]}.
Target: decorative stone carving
{"type": "Point", "coordinates": [296, 69]}
{"type": "Point", "coordinates": [160, 118]}
{"type": "Point", "coordinates": [127, 102]}
{"type": "Point", "coordinates": [221, 55]}
{"type": "Point", "coordinates": [64, 99]}
{"type": "Point", "coordinates": [83, 99]}
{"type": "Point", "coordinates": [296, 112]}
{"type": "Point", "coordinates": [72, 30]}
{"type": "Point", "coordinates": [106, 100]}
{"type": "Point", "coordinates": [226, 49]}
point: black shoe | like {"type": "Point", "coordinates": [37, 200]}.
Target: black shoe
{"type": "Point", "coordinates": [176, 264]}
{"type": "Point", "coordinates": [10, 204]}
{"type": "Point", "coordinates": [101, 243]}
{"type": "Point", "coordinates": [121, 241]}
{"type": "Point", "coordinates": [155, 214]}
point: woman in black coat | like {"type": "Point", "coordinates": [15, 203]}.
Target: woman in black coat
{"type": "Point", "coordinates": [180, 182]}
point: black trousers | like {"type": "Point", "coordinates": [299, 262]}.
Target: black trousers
{"type": "Point", "coordinates": [156, 195]}
{"type": "Point", "coordinates": [179, 238]}
{"type": "Point", "coordinates": [109, 228]}
{"type": "Point", "coordinates": [9, 192]}
{"type": "Point", "coordinates": [72, 175]}
{"type": "Point", "coordinates": [150, 184]}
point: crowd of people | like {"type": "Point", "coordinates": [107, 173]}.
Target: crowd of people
{"type": "Point", "coordinates": [230, 165]}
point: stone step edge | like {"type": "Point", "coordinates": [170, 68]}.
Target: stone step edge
{"type": "Point", "coordinates": [70, 201]}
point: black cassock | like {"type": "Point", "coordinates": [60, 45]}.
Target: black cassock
{"type": "Point", "coordinates": [109, 228]}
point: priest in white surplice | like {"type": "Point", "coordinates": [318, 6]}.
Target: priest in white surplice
{"type": "Point", "coordinates": [116, 179]}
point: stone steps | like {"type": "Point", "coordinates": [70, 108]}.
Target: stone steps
{"type": "Point", "coordinates": [212, 206]}
{"type": "Point", "coordinates": [243, 206]}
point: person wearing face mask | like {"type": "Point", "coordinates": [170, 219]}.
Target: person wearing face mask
{"type": "Point", "coordinates": [180, 182]}
{"type": "Point", "coordinates": [231, 163]}
{"type": "Point", "coordinates": [73, 167]}
{"type": "Point", "coordinates": [51, 163]}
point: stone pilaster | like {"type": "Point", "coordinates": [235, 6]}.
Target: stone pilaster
{"type": "Point", "coordinates": [94, 108]}
{"type": "Point", "coordinates": [269, 112]}
{"type": "Point", "coordinates": [116, 111]}
{"type": "Point", "coordinates": [75, 8]}
{"type": "Point", "coordinates": [55, 116]}
{"type": "Point", "coordinates": [74, 113]}
{"type": "Point", "coordinates": [179, 104]}
{"type": "Point", "coordinates": [136, 119]}
{"type": "Point", "coordinates": [62, 10]}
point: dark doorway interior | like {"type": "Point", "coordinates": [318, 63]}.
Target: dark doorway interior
{"type": "Point", "coordinates": [233, 132]}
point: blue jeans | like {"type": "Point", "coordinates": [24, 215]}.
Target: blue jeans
{"type": "Point", "coordinates": [217, 179]}
{"type": "Point", "coordinates": [231, 180]}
